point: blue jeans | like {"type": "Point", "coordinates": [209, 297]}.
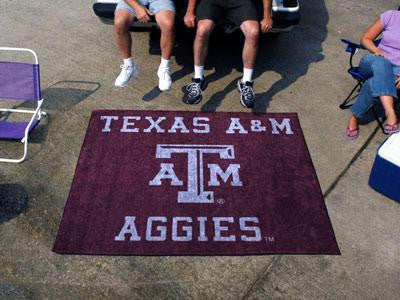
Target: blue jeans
{"type": "Point", "coordinates": [381, 74]}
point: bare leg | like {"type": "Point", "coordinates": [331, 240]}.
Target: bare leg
{"type": "Point", "coordinates": [200, 47]}
{"type": "Point", "coordinates": [122, 22]}
{"type": "Point", "coordinates": [166, 21]}
{"type": "Point", "coordinates": [387, 103]}
{"type": "Point", "coordinates": [352, 128]}
{"type": "Point", "coordinates": [353, 123]}
{"type": "Point", "coordinates": [251, 31]}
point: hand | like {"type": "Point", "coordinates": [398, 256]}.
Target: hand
{"type": "Point", "coordinates": [398, 81]}
{"type": "Point", "coordinates": [379, 52]}
{"type": "Point", "coordinates": [266, 24]}
{"type": "Point", "coordinates": [190, 19]}
{"type": "Point", "coordinates": [142, 13]}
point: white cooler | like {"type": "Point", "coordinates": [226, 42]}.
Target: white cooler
{"type": "Point", "coordinates": [385, 174]}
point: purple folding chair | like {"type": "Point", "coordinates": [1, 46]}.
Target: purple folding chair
{"type": "Point", "coordinates": [20, 81]}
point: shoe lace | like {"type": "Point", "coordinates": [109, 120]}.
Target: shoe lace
{"type": "Point", "coordinates": [165, 72]}
{"type": "Point", "coordinates": [194, 89]}
{"type": "Point", "coordinates": [125, 68]}
{"type": "Point", "coordinates": [248, 93]}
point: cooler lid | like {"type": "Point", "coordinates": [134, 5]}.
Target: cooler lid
{"type": "Point", "coordinates": [390, 150]}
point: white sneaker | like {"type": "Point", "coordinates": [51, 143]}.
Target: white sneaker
{"type": "Point", "coordinates": [165, 81]}
{"type": "Point", "coordinates": [126, 74]}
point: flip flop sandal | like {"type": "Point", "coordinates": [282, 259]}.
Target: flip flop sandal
{"type": "Point", "coordinates": [391, 128]}
{"type": "Point", "coordinates": [351, 134]}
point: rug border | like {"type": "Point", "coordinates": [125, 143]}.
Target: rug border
{"type": "Point", "coordinates": [319, 185]}
{"type": "Point", "coordinates": [72, 183]}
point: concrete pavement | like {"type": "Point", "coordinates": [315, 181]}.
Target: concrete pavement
{"type": "Point", "coordinates": [302, 71]}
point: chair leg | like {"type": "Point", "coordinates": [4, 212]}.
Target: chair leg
{"type": "Point", "coordinates": [396, 104]}
{"type": "Point", "coordinates": [18, 160]}
{"type": "Point", "coordinates": [345, 104]}
{"type": "Point", "coordinates": [380, 123]}
{"type": "Point", "coordinates": [37, 113]}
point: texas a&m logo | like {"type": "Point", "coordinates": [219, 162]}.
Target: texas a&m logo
{"type": "Point", "coordinates": [195, 190]}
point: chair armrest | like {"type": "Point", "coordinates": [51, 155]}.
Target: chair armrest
{"type": "Point", "coordinates": [351, 47]}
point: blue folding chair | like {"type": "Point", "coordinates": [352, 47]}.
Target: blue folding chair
{"type": "Point", "coordinates": [354, 71]}
{"type": "Point", "coordinates": [20, 81]}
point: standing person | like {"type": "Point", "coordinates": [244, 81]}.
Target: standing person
{"type": "Point", "coordinates": [242, 13]}
{"type": "Point", "coordinates": [382, 68]}
{"type": "Point", "coordinates": [128, 11]}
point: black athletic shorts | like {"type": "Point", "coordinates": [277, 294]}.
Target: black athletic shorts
{"type": "Point", "coordinates": [234, 11]}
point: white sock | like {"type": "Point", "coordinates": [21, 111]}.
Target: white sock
{"type": "Point", "coordinates": [128, 61]}
{"type": "Point", "coordinates": [198, 72]}
{"type": "Point", "coordinates": [247, 74]}
{"type": "Point", "coordinates": [164, 63]}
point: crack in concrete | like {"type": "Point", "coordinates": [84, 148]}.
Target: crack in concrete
{"type": "Point", "coordinates": [352, 161]}
{"type": "Point", "coordinates": [263, 273]}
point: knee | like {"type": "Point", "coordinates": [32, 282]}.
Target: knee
{"type": "Point", "coordinates": [203, 30]}
{"type": "Point", "coordinates": [252, 32]}
{"type": "Point", "coordinates": [381, 63]}
{"type": "Point", "coordinates": [167, 24]}
{"type": "Point", "coordinates": [120, 26]}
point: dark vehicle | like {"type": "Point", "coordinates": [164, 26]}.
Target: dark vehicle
{"type": "Point", "coordinates": [285, 13]}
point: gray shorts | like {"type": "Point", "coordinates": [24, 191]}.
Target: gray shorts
{"type": "Point", "coordinates": [155, 6]}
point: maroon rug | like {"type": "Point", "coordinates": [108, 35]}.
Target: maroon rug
{"type": "Point", "coordinates": [190, 183]}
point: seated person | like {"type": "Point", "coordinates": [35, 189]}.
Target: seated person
{"type": "Point", "coordinates": [242, 13]}
{"type": "Point", "coordinates": [382, 68]}
{"type": "Point", "coordinates": [129, 10]}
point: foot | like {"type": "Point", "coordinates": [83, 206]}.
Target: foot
{"type": "Point", "coordinates": [164, 79]}
{"type": "Point", "coordinates": [391, 128]}
{"type": "Point", "coordinates": [351, 134]}
{"type": "Point", "coordinates": [127, 73]}
{"type": "Point", "coordinates": [352, 130]}
{"type": "Point", "coordinates": [247, 96]}
{"type": "Point", "coordinates": [194, 91]}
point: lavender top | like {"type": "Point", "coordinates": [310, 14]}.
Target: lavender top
{"type": "Point", "coordinates": [390, 43]}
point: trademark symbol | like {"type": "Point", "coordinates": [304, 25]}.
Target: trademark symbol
{"type": "Point", "coordinates": [221, 201]}
{"type": "Point", "coordinates": [269, 239]}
